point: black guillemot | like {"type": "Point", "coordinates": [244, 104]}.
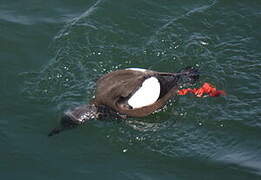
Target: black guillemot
{"type": "Point", "coordinates": [132, 92]}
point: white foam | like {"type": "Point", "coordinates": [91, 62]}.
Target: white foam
{"type": "Point", "coordinates": [147, 94]}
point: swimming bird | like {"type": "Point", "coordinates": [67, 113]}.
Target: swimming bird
{"type": "Point", "coordinates": [132, 92]}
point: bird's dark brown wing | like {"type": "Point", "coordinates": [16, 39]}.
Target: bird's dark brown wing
{"type": "Point", "coordinates": [117, 85]}
{"type": "Point", "coordinates": [115, 88]}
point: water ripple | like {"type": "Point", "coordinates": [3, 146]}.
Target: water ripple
{"type": "Point", "coordinates": [214, 37]}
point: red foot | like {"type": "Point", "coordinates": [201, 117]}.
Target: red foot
{"type": "Point", "coordinates": [205, 89]}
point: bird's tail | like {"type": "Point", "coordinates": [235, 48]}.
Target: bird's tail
{"type": "Point", "coordinates": [188, 76]}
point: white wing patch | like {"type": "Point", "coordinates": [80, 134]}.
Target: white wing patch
{"type": "Point", "coordinates": [147, 94]}
{"type": "Point", "coordinates": [137, 69]}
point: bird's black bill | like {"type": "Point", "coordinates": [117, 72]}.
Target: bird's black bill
{"type": "Point", "coordinates": [66, 123]}
{"type": "Point", "coordinates": [55, 131]}
{"type": "Point", "coordinates": [75, 117]}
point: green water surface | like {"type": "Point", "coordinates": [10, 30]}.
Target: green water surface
{"type": "Point", "coordinates": [52, 52]}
